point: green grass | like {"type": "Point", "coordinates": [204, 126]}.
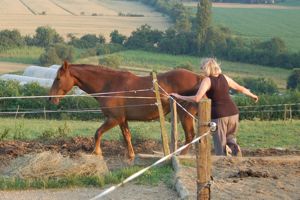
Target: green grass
{"type": "Point", "coordinates": [159, 61]}
{"type": "Point", "coordinates": [30, 129]}
{"type": "Point", "coordinates": [261, 24]}
{"type": "Point", "coordinates": [290, 3]}
{"type": "Point", "coordinates": [151, 177]}
{"type": "Point", "coordinates": [252, 134]}
{"type": "Point", "coordinates": [26, 55]}
{"type": "Point", "coordinates": [268, 134]}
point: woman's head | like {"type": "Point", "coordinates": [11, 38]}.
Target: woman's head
{"type": "Point", "coordinates": [210, 67]}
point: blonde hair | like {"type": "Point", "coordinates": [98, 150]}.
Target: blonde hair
{"type": "Point", "coordinates": [210, 67]}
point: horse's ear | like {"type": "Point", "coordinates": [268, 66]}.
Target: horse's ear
{"type": "Point", "coordinates": [66, 65]}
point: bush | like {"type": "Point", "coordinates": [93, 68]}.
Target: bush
{"type": "Point", "coordinates": [10, 39]}
{"type": "Point", "coordinates": [259, 85]}
{"type": "Point", "coordinates": [144, 38]}
{"type": "Point", "coordinates": [87, 41]}
{"type": "Point", "coordinates": [57, 54]}
{"type": "Point", "coordinates": [113, 61]}
{"type": "Point", "coordinates": [108, 48]}
{"type": "Point", "coordinates": [294, 80]}
{"type": "Point", "coordinates": [45, 36]}
{"type": "Point", "coordinates": [13, 88]}
{"type": "Point", "coordinates": [117, 38]}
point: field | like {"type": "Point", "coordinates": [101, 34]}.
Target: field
{"type": "Point", "coordinates": [78, 17]}
{"type": "Point", "coordinates": [166, 62]}
{"type": "Point", "coordinates": [155, 61]}
{"type": "Point", "coordinates": [259, 21]}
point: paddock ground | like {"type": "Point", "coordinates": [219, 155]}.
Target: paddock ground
{"type": "Point", "coordinates": [260, 174]}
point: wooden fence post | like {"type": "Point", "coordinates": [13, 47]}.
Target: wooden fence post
{"type": "Point", "coordinates": [164, 136]}
{"type": "Point", "coordinates": [174, 129]}
{"type": "Point", "coordinates": [203, 151]}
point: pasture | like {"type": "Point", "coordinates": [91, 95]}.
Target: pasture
{"type": "Point", "coordinates": [260, 21]}
{"type": "Point", "coordinates": [78, 17]}
{"type": "Point", "coordinates": [158, 61]}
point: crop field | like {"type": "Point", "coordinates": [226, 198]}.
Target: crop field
{"type": "Point", "coordinates": [78, 17]}
{"type": "Point", "coordinates": [260, 21]}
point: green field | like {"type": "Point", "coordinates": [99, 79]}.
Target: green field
{"type": "Point", "coordinates": [26, 55]}
{"type": "Point", "coordinates": [252, 134]}
{"type": "Point", "coordinates": [290, 3]}
{"type": "Point", "coordinates": [262, 24]}
{"type": "Point", "coordinates": [158, 61]}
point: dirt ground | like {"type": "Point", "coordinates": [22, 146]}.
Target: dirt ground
{"type": "Point", "coordinates": [260, 174]}
{"type": "Point", "coordinates": [6, 67]}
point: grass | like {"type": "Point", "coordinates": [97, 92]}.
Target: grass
{"type": "Point", "coordinates": [31, 129]}
{"type": "Point", "coordinates": [151, 177]}
{"type": "Point", "coordinates": [290, 3]}
{"type": "Point", "coordinates": [252, 134]}
{"type": "Point", "coordinates": [261, 24]}
{"type": "Point", "coordinates": [26, 55]}
{"type": "Point", "coordinates": [270, 134]}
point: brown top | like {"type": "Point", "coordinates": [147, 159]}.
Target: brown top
{"type": "Point", "coordinates": [222, 104]}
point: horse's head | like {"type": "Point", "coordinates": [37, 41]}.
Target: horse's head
{"type": "Point", "coordinates": [62, 84]}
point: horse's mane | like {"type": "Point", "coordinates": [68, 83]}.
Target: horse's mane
{"type": "Point", "coordinates": [100, 68]}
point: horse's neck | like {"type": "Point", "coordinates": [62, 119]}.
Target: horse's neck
{"type": "Point", "coordinates": [90, 81]}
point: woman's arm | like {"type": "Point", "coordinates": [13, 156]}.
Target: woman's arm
{"type": "Point", "coordinates": [204, 87]}
{"type": "Point", "coordinates": [234, 85]}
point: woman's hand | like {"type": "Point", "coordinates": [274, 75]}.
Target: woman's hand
{"type": "Point", "coordinates": [175, 95]}
{"type": "Point", "coordinates": [255, 98]}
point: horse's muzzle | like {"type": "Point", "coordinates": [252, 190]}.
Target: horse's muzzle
{"type": "Point", "coordinates": [54, 100]}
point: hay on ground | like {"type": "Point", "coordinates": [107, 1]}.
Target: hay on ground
{"type": "Point", "coordinates": [52, 164]}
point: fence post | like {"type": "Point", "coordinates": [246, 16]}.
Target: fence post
{"type": "Point", "coordinates": [174, 129]}
{"type": "Point", "coordinates": [203, 151]}
{"type": "Point", "coordinates": [164, 136]}
{"type": "Point", "coordinates": [285, 111]}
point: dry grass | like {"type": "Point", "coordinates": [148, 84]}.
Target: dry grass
{"type": "Point", "coordinates": [75, 17]}
{"type": "Point", "coordinates": [7, 67]}
{"type": "Point", "coordinates": [51, 164]}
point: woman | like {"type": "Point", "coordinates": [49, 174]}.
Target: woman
{"type": "Point", "coordinates": [224, 111]}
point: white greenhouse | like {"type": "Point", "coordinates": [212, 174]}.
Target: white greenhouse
{"type": "Point", "coordinates": [40, 72]}
{"type": "Point", "coordinates": [26, 79]}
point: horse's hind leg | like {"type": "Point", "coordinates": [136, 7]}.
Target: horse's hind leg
{"type": "Point", "coordinates": [187, 123]}
{"type": "Point", "coordinates": [127, 137]}
{"type": "Point", "coordinates": [108, 124]}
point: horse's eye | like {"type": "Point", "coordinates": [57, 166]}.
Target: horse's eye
{"type": "Point", "coordinates": [57, 79]}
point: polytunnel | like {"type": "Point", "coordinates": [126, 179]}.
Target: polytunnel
{"type": "Point", "coordinates": [40, 72]}
{"type": "Point", "coordinates": [26, 79]}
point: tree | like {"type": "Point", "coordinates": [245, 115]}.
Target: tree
{"type": "Point", "coordinates": [117, 38]}
{"type": "Point", "coordinates": [10, 39]}
{"type": "Point", "coordinates": [56, 54]}
{"type": "Point", "coordinates": [203, 20]}
{"type": "Point", "coordinates": [294, 80]}
{"type": "Point", "coordinates": [46, 36]}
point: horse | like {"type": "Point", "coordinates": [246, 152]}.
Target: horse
{"type": "Point", "coordinates": [128, 98]}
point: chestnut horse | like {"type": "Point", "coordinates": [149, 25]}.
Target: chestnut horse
{"type": "Point", "coordinates": [118, 109]}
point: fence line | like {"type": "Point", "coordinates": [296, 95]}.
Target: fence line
{"type": "Point", "coordinates": [73, 111]}
{"type": "Point", "coordinates": [76, 95]}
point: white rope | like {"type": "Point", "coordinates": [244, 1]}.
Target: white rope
{"type": "Point", "coordinates": [177, 103]}
{"type": "Point", "coordinates": [75, 95]}
{"type": "Point", "coordinates": [270, 105]}
{"type": "Point", "coordinates": [71, 111]}
{"type": "Point", "coordinates": [137, 174]}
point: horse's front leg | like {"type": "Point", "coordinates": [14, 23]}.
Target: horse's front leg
{"type": "Point", "coordinates": [127, 137]}
{"type": "Point", "coordinates": [108, 124]}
